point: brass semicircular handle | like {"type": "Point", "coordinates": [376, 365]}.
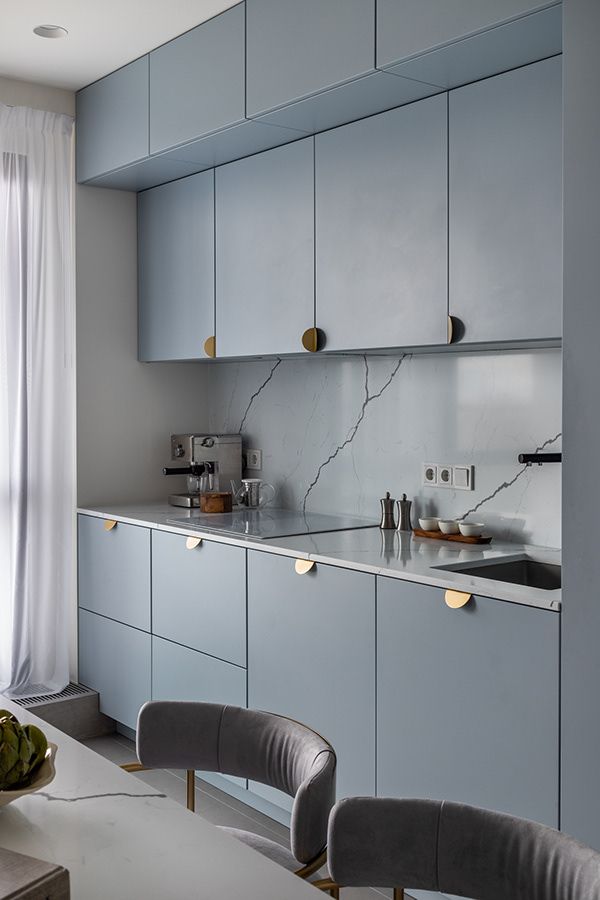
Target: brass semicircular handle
{"type": "Point", "coordinates": [210, 346]}
{"type": "Point", "coordinates": [109, 524]}
{"type": "Point", "coordinates": [192, 543]}
{"type": "Point", "coordinates": [450, 329]}
{"type": "Point", "coordinates": [303, 566]}
{"type": "Point", "coordinates": [456, 599]}
{"type": "Point", "coordinates": [313, 339]}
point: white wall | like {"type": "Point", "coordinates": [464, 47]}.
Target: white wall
{"type": "Point", "coordinates": [36, 96]}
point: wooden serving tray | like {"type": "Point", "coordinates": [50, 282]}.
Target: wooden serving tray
{"type": "Point", "coordinates": [459, 538]}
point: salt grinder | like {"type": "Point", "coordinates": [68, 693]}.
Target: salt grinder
{"type": "Point", "coordinates": [404, 506]}
{"type": "Point", "coordinates": [387, 512]}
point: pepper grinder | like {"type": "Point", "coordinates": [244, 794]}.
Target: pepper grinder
{"type": "Point", "coordinates": [387, 512]}
{"type": "Point", "coordinates": [404, 506]}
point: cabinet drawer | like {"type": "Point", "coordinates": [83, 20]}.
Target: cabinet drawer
{"type": "Point", "coordinates": [467, 701]}
{"type": "Point", "coordinates": [114, 660]}
{"type": "Point", "coordinates": [114, 571]}
{"type": "Point", "coordinates": [199, 595]}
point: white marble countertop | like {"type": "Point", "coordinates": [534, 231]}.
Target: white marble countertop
{"type": "Point", "coordinates": [120, 838]}
{"type": "Point", "coordinates": [387, 553]}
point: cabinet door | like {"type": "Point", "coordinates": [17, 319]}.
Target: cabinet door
{"type": "Point", "coordinates": [176, 268]}
{"type": "Point", "coordinates": [467, 701]}
{"type": "Point", "coordinates": [311, 656]}
{"type": "Point", "coordinates": [114, 660]}
{"type": "Point", "coordinates": [112, 121]}
{"type": "Point", "coordinates": [265, 251]}
{"type": "Point", "coordinates": [296, 49]}
{"type": "Point", "coordinates": [381, 229]}
{"type": "Point", "coordinates": [114, 571]}
{"type": "Point", "coordinates": [197, 81]}
{"type": "Point", "coordinates": [506, 205]}
{"type": "Point", "coordinates": [199, 595]}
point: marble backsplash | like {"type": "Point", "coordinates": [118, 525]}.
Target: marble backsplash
{"type": "Point", "coordinates": [338, 432]}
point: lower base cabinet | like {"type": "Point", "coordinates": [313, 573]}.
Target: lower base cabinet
{"type": "Point", "coordinates": [468, 701]}
{"type": "Point", "coordinates": [115, 660]}
{"type": "Point", "coordinates": [311, 656]}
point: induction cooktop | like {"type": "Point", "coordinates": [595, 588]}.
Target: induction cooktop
{"type": "Point", "coordinates": [261, 524]}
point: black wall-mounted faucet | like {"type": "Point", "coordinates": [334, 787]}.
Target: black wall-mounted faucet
{"type": "Point", "coordinates": [540, 458]}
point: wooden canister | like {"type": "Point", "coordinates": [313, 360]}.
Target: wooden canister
{"type": "Point", "coordinates": [216, 502]}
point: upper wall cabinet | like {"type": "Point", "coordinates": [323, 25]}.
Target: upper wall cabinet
{"type": "Point", "coordinates": [381, 229]}
{"type": "Point", "coordinates": [311, 65]}
{"type": "Point", "coordinates": [197, 81]}
{"type": "Point", "coordinates": [112, 121]}
{"type": "Point", "coordinates": [176, 268]}
{"type": "Point", "coordinates": [456, 41]}
{"type": "Point", "coordinates": [506, 205]}
{"type": "Point", "coordinates": [265, 252]}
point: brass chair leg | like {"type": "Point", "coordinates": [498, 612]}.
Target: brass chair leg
{"type": "Point", "coordinates": [134, 767]}
{"type": "Point", "coordinates": [398, 893]}
{"type": "Point", "coordinates": [191, 790]}
{"type": "Point", "coordinates": [328, 886]}
{"type": "Point", "coordinates": [311, 867]}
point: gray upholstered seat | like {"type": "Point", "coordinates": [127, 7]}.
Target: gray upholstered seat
{"type": "Point", "coordinates": [257, 745]}
{"type": "Point", "coordinates": [456, 849]}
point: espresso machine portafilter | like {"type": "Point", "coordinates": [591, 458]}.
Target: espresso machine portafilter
{"type": "Point", "coordinates": [211, 462]}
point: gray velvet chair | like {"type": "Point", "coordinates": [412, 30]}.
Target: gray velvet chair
{"type": "Point", "coordinates": [261, 746]}
{"type": "Point", "coordinates": [456, 849]}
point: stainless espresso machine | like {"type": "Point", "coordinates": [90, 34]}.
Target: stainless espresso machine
{"type": "Point", "coordinates": [210, 461]}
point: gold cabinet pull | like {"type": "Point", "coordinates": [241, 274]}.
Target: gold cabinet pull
{"type": "Point", "coordinates": [303, 566]}
{"type": "Point", "coordinates": [456, 599]}
{"type": "Point", "coordinates": [192, 543]}
{"type": "Point", "coordinates": [109, 524]}
{"type": "Point", "coordinates": [450, 329]}
{"type": "Point", "coordinates": [313, 340]}
{"type": "Point", "coordinates": [210, 346]}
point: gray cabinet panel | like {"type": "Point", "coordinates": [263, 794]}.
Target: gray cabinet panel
{"type": "Point", "coordinates": [467, 706]}
{"type": "Point", "coordinates": [114, 571]}
{"type": "Point", "coordinates": [381, 229]}
{"type": "Point", "coordinates": [199, 595]}
{"type": "Point", "coordinates": [265, 251]}
{"type": "Point", "coordinates": [112, 121]}
{"type": "Point", "coordinates": [296, 49]}
{"type": "Point", "coordinates": [311, 656]}
{"type": "Point", "coordinates": [506, 205]}
{"type": "Point", "coordinates": [410, 27]}
{"type": "Point", "coordinates": [114, 660]}
{"type": "Point", "coordinates": [176, 268]}
{"type": "Point", "coordinates": [197, 81]}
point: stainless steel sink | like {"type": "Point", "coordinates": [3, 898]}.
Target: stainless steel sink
{"type": "Point", "coordinates": [524, 570]}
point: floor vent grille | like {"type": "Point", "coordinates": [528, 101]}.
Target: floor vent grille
{"type": "Point", "coordinates": [72, 690]}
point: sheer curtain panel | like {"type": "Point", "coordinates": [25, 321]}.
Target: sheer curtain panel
{"type": "Point", "coordinates": [37, 466]}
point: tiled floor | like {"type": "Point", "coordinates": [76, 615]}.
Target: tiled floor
{"type": "Point", "coordinates": [211, 803]}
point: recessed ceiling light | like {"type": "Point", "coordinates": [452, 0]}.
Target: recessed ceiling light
{"type": "Point", "coordinates": [50, 31]}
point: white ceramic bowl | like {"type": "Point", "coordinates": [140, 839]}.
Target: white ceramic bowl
{"type": "Point", "coordinates": [44, 775]}
{"type": "Point", "coordinates": [471, 529]}
{"type": "Point", "coordinates": [448, 526]}
{"type": "Point", "coordinates": [429, 523]}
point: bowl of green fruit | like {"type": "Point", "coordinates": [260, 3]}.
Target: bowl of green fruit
{"type": "Point", "coordinates": [26, 759]}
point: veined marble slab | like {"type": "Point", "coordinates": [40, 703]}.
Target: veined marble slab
{"type": "Point", "coordinates": [388, 553]}
{"type": "Point", "coordinates": [122, 839]}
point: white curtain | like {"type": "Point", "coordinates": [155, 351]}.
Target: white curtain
{"type": "Point", "coordinates": [36, 400]}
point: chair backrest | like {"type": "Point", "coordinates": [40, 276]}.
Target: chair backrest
{"type": "Point", "coordinates": [251, 744]}
{"type": "Point", "coordinates": [456, 849]}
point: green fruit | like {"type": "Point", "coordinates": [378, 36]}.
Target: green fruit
{"type": "Point", "coordinates": [22, 750]}
{"type": "Point", "coordinates": [40, 744]}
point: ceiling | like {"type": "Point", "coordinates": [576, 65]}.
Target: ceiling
{"type": "Point", "coordinates": [102, 36]}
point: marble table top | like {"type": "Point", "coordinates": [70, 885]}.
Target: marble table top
{"type": "Point", "coordinates": [120, 838]}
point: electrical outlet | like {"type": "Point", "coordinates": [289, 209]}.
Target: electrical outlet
{"type": "Point", "coordinates": [254, 460]}
{"type": "Point", "coordinates": [430, 474]}
{"type": "Point", "coordinates": [445, 476]}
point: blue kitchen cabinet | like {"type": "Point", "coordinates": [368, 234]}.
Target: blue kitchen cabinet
{"type": "Point", "coordinates": [199, 595]}
{"type": "Point", "coordinates": [112, 121]}
{"type": "Point", "coordinates": [505, 225]}
{"type": "Point", "coordinates": [114, 571]}
{"type": "Point", "coordinates": [311, 656]}
{"type": "Point", "coordinates": [176, 269]}
{"type": "Point", "coordinates": [467, 701]}
{"type": "Point", "coordinates": [381, 229]}
{"type": "Point", "coordinates": [114, 660]}
{"type": "Point", "coordinates": [265, 252]}
{"type": "Point", "coordinates": [459, 41]}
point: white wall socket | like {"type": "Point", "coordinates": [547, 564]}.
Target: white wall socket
{"type": "Point", "coordinates": [430, 474]}
{"type": "Point", "coordinates": [254, 460]}
{"type": "Point", "coordinates": [443, 475]}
